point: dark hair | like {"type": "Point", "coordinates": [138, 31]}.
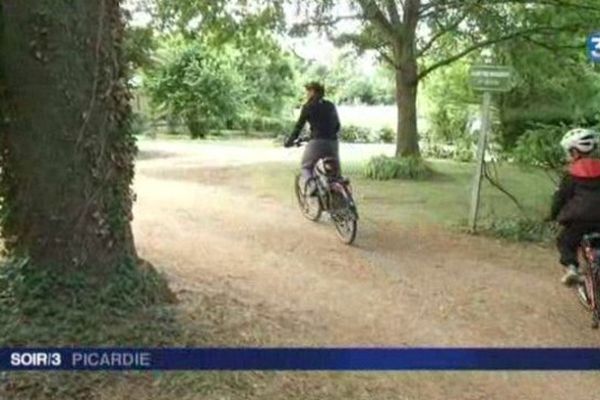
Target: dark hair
{"type": "Point", "coordinates": [317, 87]}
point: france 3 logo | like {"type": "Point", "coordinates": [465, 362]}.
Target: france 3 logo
{"type": "Point", "coordinates": [26, 359]}
{"type": "Point", "coordinates": [593, 47]}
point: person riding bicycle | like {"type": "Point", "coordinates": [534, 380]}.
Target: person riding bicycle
{"type": "Point", "coordinates": [576, 203]}
{"type": "Point", "coordinates": [322, 116]}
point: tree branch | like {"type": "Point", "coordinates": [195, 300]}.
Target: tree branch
{"type": "Point", "coordinates": [393, 12]}
{"type": "Point", "coordinates": [433, 7]}
{"type": "Point", "coordinates": [386, 57]}
{"type": "Point", "coordinates": [488, 42]}
{"type": "Point", "coordinates": [374, 14]}
{"type": "Point", "coordinates": [326, 22]}
{"type": "Point", "coordinates": [441, 33]}
{"type": "Point", "coordinates": [448, 28]}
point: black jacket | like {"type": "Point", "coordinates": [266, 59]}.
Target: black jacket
{"type": "Point", "coordinates": [323, 118]}
{"type": "Point", "coordinates": [578, 196]}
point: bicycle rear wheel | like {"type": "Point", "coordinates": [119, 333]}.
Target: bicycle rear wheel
{"type": "Point", "coordinates": [310, 206]}
{"type": "Point", "coordinates": [588, 292]}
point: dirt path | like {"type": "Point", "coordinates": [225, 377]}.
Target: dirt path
{"type": "Point", "coordinates": [398, 287]}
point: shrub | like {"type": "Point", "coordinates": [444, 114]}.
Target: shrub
{"type": "Point", "coordinates": [384, 168]}
{"type": "Point", "coordinates": [449, 123]}
{"type": "Point", "coordinates": [266, 127]}
{"type": "Point", "coordinates": [461, 151]}
{"type": "Point", "coordinates": [356, 134]}
{"type": "Point", "coordinates": [386, 135]}
{"type": "Point", "coordinates": [197, 128]}
{"type": "Point", "coordinates": [540, 147]}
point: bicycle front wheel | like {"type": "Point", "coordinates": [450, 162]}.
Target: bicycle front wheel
{"type": "Point", "coordinates": [310, 206]}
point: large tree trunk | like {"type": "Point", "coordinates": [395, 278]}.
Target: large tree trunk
{"type": "Point", "coordinates": [67, 152]}
{"type": "Point", "coordinates": [407, 82]}
{"type": "Point", "coordinates": [406, 99]}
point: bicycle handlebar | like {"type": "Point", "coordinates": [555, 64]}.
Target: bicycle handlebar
{"type": "Point", "coordinates": [300, 141]}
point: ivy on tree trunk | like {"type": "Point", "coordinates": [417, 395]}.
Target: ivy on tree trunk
{"type": "Point", "coordinates": [66, 149]}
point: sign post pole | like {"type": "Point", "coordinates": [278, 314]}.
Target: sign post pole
{"type": "Point", "coordinates": [487, 79]}
{"type": "Point", "coordinates": [481, 146]}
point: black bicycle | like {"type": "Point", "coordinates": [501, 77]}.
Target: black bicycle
{"type": "Point", "coordinates": [327, 191]}
{"type": "Point", "coordinates": [588, 289]}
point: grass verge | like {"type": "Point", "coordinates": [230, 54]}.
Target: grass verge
{"type": "Point", "coordinates": [444, 199]}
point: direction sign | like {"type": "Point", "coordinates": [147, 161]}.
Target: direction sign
{"type": "Point", "coordinates": [593, 47]}
{"type": "Point", "coordinates": [491, 78]}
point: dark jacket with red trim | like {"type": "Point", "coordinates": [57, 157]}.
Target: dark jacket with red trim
{"type": "Point", "coordinates": [577, 199]}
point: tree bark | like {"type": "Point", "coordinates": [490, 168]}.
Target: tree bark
{"type": "Point", "coordinates": [66, 148]}
{"type": "Point", "coordinates": [407, 81]}
{"type": "Point", "coordinates": [406, 99]}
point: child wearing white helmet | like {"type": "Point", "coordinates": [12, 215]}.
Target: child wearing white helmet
{"type": "Point", "coordinates": [576, 203]}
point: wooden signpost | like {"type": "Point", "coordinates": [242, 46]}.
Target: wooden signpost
{"type": "Point", "coordinates": [488, 79]}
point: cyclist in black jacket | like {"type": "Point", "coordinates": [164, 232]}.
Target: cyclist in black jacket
{"type": "Point", "coordinates": [322, 116]}
{"type": "Point", "coordinates": [576, 203]}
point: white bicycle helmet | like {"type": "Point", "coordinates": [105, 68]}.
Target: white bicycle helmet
{"type": "Point", "coordinates": [583, 140]}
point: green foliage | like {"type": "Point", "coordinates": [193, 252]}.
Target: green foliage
{"type": "Point", "coordinates": [213, 86]}
{"type": "Point", "coordinates": [267, 73]}
{"type": "Point", "coordinates": [450, 103]}
{"type": "Point", "coordinates": [540, 147]}
{"type": "Point", "coordinates": [383, 168]}
{"type": "Point", "coordinates": [48, 306]}
{"type": "Point", "coordinates": [224, 18]}
{"type": "Point", "coordinates": [356, 134]}
{"type": "Point", "coordinates": [386, 135]}
{"type": "Point", "coordinates": [139, 45]}
{"type": "Point", "coordinates": [199, 84]}
{"type": "Point", "coordinates": [461, 151]}
{"type": "Point", "coordinates": [451, 112]}
{"type": "Point", "coordinates": [347, 84]}
{"type": "Point", "coordinates": [560, 93]}
{"type": "Point", "coordinates": [265, 125]}
{"type": "Point", "coordinates": [361, 134]}
{"type": "Point", "coordinates": [520, 229]}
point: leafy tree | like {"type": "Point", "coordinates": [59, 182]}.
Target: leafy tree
{"type": "Point", "coordinates": [347, 84]}
{"type": "Point", "coordinates": [199, 84]}
{"type": "Point", "coordinates": [267, 73]}
{"type": "Point", "coordinates": [224, 18]}
{"type": "Point", "coordinates": [238, 36]}
{"type": "Point", "coordinates": [413, 36]}
{"type": "Point", "coordinates": [563, 90]}
{"type": "Point", "coordinates": [139, 46]}
{"type": "Point", "coordinates": [212, 84]}
{"type": "Point", "coordinates": [450, 104]}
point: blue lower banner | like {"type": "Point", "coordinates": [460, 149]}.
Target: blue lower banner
{"type": "Point", "coordinates": [299, 359]}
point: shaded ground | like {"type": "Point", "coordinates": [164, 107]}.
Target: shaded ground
{"type": "Point", "coordinates": [278, 280]}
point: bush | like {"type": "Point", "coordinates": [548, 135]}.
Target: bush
{"type": "Point", "coordinates": [449, 123]}
{"type": "Point", "coordinates": [271, 126]}
{"type": "Point", "coordinates": [462, 151]}
{"type": "Point", "coordinates": [386, 135]}
{"type": "Point", "coordinates": [520, 229]}
{"type": "Point", "coordinates": [356, 134]}
{"type": "Point", "coordinates": [197, 128]}
{"type": "Point", "coordinates": [540, 147]}
{"type": "Point", "coordinates": [384, 168]}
